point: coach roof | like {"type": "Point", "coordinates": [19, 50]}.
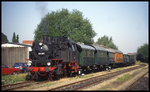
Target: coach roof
{"type": "Point", "coordinates": [83, 46]}
{"type": "Point", "coordinates": [113, 50]}
{"type": "Point", "coordinates": [100, 48]}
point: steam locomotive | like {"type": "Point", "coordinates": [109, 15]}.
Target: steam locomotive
{"type": "Point", "coordinates": [54, 57]}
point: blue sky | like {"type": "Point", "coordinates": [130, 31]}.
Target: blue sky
{"type": "Point", "coordinates": [125, 22]}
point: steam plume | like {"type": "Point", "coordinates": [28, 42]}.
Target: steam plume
{"type": "Point", "coordinates": [42, 9]}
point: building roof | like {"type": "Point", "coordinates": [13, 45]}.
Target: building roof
{"type": "Point", "coordinates": [27, 42]}
{"type": "Point", "coordinates": [131, 54]}
{"type": "Point", "coordinates": [12, 44]}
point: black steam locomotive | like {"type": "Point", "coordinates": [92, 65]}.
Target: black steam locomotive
{"type": "Point", "coordinates": [53, 57]}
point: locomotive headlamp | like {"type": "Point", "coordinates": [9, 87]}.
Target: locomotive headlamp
{"type": "Point", "coordinates": [40, 44]}
{"type": "Point", "coordinates": [29, 63]}
{"type": "Point", "coordinates": [48, 63]}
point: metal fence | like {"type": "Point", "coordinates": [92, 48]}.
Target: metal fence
{"type": "Point", "coordinates": [12, 55]}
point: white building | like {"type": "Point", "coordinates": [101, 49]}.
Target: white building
{"type": "Point", "coordinates": [14, 52]}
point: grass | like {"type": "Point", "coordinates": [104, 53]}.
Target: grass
{"type": "Point", "coordinates": [125, 77]}
{"type": "Point", "coordinates": [135, 73]}
{"type": "Point", "coordinates": [119, 69]}
{"type": "Point", "coordinates": [86, 76]}
{"type": "Point", "coordinates": [10, 79]}
{"type": "Point", "coordinates": [128, 76]}
{"type": "Point", "coordinates": [138, 62]}
{"type": "Point", "coordinates": [49, 84]}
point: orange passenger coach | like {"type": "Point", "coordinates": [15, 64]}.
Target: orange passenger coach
{"type": "Point", "coordinates": [118, 58]}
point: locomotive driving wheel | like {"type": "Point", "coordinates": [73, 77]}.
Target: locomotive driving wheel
{"type": "Point", "coordinates": [36, 77]}
{"type": "Point", "coordinates": [65, 73]}
{"type": "Point", "coordinates": [50, 76]}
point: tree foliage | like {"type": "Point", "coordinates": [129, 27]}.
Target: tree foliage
{"type": "Point", "coordinates": [106, 41]}
{"type": "Point", "coordinates": [68, 24]}
{"type": "Point", "coordinates": [143, 53]}
{"type": "Point", "coordinates": [15, 38]}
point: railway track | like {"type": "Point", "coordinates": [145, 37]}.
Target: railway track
{"type": "Point", "coordinates": [134, 83]}
{"type": "Point", "coordinates": [16, 85]}
{"type": "Point", "coordinates": [92, 81]}
{"type": "Point", "coordinates": [11, 87]}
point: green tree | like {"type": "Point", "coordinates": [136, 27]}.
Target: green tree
{"type": "Point", "coordinates": [106, 41]}
{"type": "Point", "coordinates": [68, 24]}
{"type": "Point", "coordinates": [143, 53]}
{"type": "Point", "coordinates": [15, 38]}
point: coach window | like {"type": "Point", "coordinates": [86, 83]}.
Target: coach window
{"type": "Point", "coordinates": [86, 53]}
{"type": "Point", "coordinates": [90, 54]}
{"type": "Point", "coordinates": [100, 54]}
{"type": "Point", "coordinates": [83, 52]}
